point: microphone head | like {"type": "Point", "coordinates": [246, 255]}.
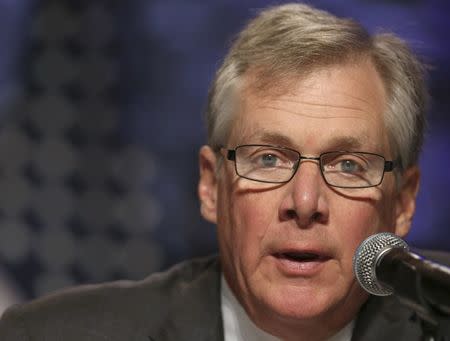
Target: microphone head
{"type": "Point", "coordinates": [367, 256]}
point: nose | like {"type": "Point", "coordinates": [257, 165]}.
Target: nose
{"type": "Point", "coordinates": [305, 200]}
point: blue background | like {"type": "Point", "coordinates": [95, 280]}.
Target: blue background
{"type": "Point", "coordinates": [165, 54]}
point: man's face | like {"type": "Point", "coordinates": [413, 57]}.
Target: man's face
{"type": "Point", "coordinates": [264, 228]}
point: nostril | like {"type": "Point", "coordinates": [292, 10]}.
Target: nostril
{"type": "Point", "coordinates": [316, 216]}
{"type": "Point", "coordinates": [291, 214]}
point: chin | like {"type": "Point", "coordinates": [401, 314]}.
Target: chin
{"type": "Point", "coordinates": [303, 305]}
{"type": "Point", "coordinates": [309, 304]}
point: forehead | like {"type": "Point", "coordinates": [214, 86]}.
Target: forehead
{"type": "Point", "coordinates": [335, 106]}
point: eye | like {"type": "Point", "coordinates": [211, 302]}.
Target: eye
{"type": "Point", "coordinates": [349, 166]}
{"type": "Point", "coordinates": [268, 160]}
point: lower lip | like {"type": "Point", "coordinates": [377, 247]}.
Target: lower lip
{"type": "Point", "coordinates": [299, 269]}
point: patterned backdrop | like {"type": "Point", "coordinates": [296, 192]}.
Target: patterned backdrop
{"type": "Point", "coordinates": [100, 108]}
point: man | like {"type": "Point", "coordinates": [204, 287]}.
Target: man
{"type": "Point", "coordinates": [314, 133]}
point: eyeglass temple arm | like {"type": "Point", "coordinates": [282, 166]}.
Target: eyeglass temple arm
{"type": "Point", "coordinates": [231, 155]}
{"type": "Point", "coordinates": [390, 165]}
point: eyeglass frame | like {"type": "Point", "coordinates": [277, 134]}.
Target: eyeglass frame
{"type": "Point", "coordinates": [389, 165]}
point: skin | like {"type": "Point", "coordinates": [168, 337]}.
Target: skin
{"type": "Point", "coordinates": [339, 107]}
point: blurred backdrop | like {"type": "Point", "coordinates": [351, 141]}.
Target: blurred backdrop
{"type": "Point", "coordinates": [101, 118]}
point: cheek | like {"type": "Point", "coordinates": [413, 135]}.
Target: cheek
{"type": "Point", "coordinates": [355, 220]}
{"type": "Point", "coordinates": [369, 211]}
{"type": "Point", "coordinates": [244, 223]}
{"type": "Point", "coordinates": [353, 223]}
{"type": "Point", "coordinates": [361, 216]}
{"type": "Point", "coordinates": [253, 214]}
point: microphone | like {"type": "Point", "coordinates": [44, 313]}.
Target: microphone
{"type": "Point", "coordinates": [383, 265]}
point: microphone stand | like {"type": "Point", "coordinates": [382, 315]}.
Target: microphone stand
{"type": "Point", "coordinates": [435, 322]}
{"type": "Point", "coordinates": [429, 300]}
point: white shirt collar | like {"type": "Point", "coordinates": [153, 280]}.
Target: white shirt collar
{"type": "Point", "coordinates": [237, 326]}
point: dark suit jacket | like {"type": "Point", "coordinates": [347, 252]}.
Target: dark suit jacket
{"type": "Point", "coordinates": [180, 304]}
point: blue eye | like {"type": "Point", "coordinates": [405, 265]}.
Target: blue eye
{"type": "Point", "coordinates": [348, 166]}
{"type": "Point", "coordinates": [269, 160]}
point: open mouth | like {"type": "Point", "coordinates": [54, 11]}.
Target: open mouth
{"type": "Point", "coordinates": [301, 256]}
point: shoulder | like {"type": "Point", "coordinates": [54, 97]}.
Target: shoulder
{"type": "Point", "coordinates": [172, 282]}
{"type": "Point", "coordinates": [122, 305]}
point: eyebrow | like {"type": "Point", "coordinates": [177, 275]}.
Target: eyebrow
{"type": "Point", "coordinates": [271, 138]}
{"type": "Point", "coordinates": [345, 142]}
{"type": "Point", "coordinates": [336, 143]}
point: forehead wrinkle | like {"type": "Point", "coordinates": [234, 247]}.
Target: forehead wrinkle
{"type": "Point", "coordinates": [317, 100]}
{"type": "Point", "coordinates": [320, 101]}
{"type": "Point", "coordinates": [377, 90]}
{"type": "Point", "coordinates": [302, 113]}
{"type": "Point", "coordinates": [365, 101]}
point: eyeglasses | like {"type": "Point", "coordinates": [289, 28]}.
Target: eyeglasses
{"type": "Point", "coordinates": [271, 164]}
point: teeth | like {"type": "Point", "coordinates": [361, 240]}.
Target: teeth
{"type": "Point", "coordinates": [304, 257]}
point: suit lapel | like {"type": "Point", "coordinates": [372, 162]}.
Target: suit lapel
{"type": "Point", "coordinates": [194, 311]}
{"type": "Point", "coordinates": [385, 318]}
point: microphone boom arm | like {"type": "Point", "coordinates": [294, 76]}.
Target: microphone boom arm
{"type": "Point", "coordinates": [427, 283]}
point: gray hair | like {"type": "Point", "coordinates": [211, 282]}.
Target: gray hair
{"type": "Point", "coordinates": [294, 39]}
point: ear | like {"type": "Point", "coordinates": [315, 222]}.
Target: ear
{"type": "Point", "coordinates": [406, 201]}
{"type": "Point", "coordinates": [207, 186]}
